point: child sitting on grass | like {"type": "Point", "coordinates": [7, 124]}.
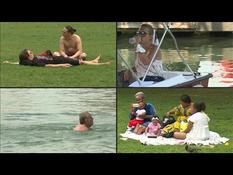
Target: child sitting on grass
{"type": "Point", "coordinates": [198, 128]}
{"type": "Point", "coordinates": [85, 120]}
{"type": "Point", "coordinates": [153, 129]}
{"type": "Point", "coordinates": [140, 115]}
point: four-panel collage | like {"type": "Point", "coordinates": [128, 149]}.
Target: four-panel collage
{"type": "Point", "coordinates": [116, 87]}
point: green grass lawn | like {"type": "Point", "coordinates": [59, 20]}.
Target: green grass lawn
{"type": "Point", "coordinates": [97, 38]}
{"type": "Point", "coordinates": [219, 109]}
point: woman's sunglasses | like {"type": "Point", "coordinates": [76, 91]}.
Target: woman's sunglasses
{"type": "Point", "coordinates": [142, 33]}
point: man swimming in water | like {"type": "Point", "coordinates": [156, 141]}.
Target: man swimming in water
{"type": "Point", "coordinates": [85, 122]}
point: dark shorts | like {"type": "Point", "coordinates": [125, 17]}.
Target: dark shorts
{"type": "Point", "coordinates": [62, 60]}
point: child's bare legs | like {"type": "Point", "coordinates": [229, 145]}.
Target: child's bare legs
{"type": "Point", "coordinates": [139, 129]}
{"type": "Point", "coordinates": [136, 129]}
{"type": "Point", "coordinates": [157, 133]}
{"type": "Point", "coordinates": [94, 62]}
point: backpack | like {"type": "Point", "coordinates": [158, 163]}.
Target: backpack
{"type": "Point", "coordinates": [168, 126]}
{"type": "Point", "coordinates": [168, 120]}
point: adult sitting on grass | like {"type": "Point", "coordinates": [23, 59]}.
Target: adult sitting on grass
{"type": "Point", "coordinates": [180, 114]}
{"type": "Point", "coordinates": [70, 45]}
{"type": "Point", "coordinates": [198, 128]}
{"type": "Point", "coordinates": [47, 59]}
{"type": "Point", "coordinates": [149, 108]}
{"type": "Point", "coordinates": [183, 109]}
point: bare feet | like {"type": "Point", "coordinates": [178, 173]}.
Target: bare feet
{"type": "Point", "coordinates": [109, 62]}
{"type": "Point", "coordinates": [95, 62]}
{"type": "Point", "coordinates": [97, 59]}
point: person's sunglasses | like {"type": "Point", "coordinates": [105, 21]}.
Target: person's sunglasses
{"type": "Point", "coordinates": [142, 33]}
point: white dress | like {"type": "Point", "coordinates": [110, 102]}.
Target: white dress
{"type": "Point", "coordinates": [156, 68]}
{"type": "Point", "coordinates": [200, 129]}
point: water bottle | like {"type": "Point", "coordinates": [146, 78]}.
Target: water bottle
{"type": "Point", "coordinates": [132, 40]}
{"type": "Point", "coordinates": [135, 105]}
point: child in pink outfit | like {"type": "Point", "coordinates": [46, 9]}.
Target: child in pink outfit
{"type": "Point", "coordinates": [154, 128]}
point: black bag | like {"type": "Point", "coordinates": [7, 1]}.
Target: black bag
{"type": "Point", "coordinates": [168, 120]}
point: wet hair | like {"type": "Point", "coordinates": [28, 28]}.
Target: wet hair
{"type": "Point", "coordinates": [185, 98]}
{"type": "Point", "coordinates": [149, 27]}
{"type": "Point", "coordinates": [199, 106]}
{"type": "Point", "coordinates": [23, 56]}
{"type": "Point", "coordinates": [85, 118]}
{"type": "Point", "coordinates": [70, 29]}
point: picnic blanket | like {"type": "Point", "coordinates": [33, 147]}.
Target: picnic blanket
{"type": "Point", "coordinates": [214, 139]}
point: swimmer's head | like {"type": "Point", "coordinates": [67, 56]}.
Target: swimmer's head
{"type": "Point", "coordinates": [85, 118]}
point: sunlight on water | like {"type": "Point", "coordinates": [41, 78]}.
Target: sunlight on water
{"type": "Point", "coordinates": [193, 50]}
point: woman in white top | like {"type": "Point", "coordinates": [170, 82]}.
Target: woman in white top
{"type": "Point", "coordinates": [198, 128]}
{"type": "Point", "coordinates": [144, 54]}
